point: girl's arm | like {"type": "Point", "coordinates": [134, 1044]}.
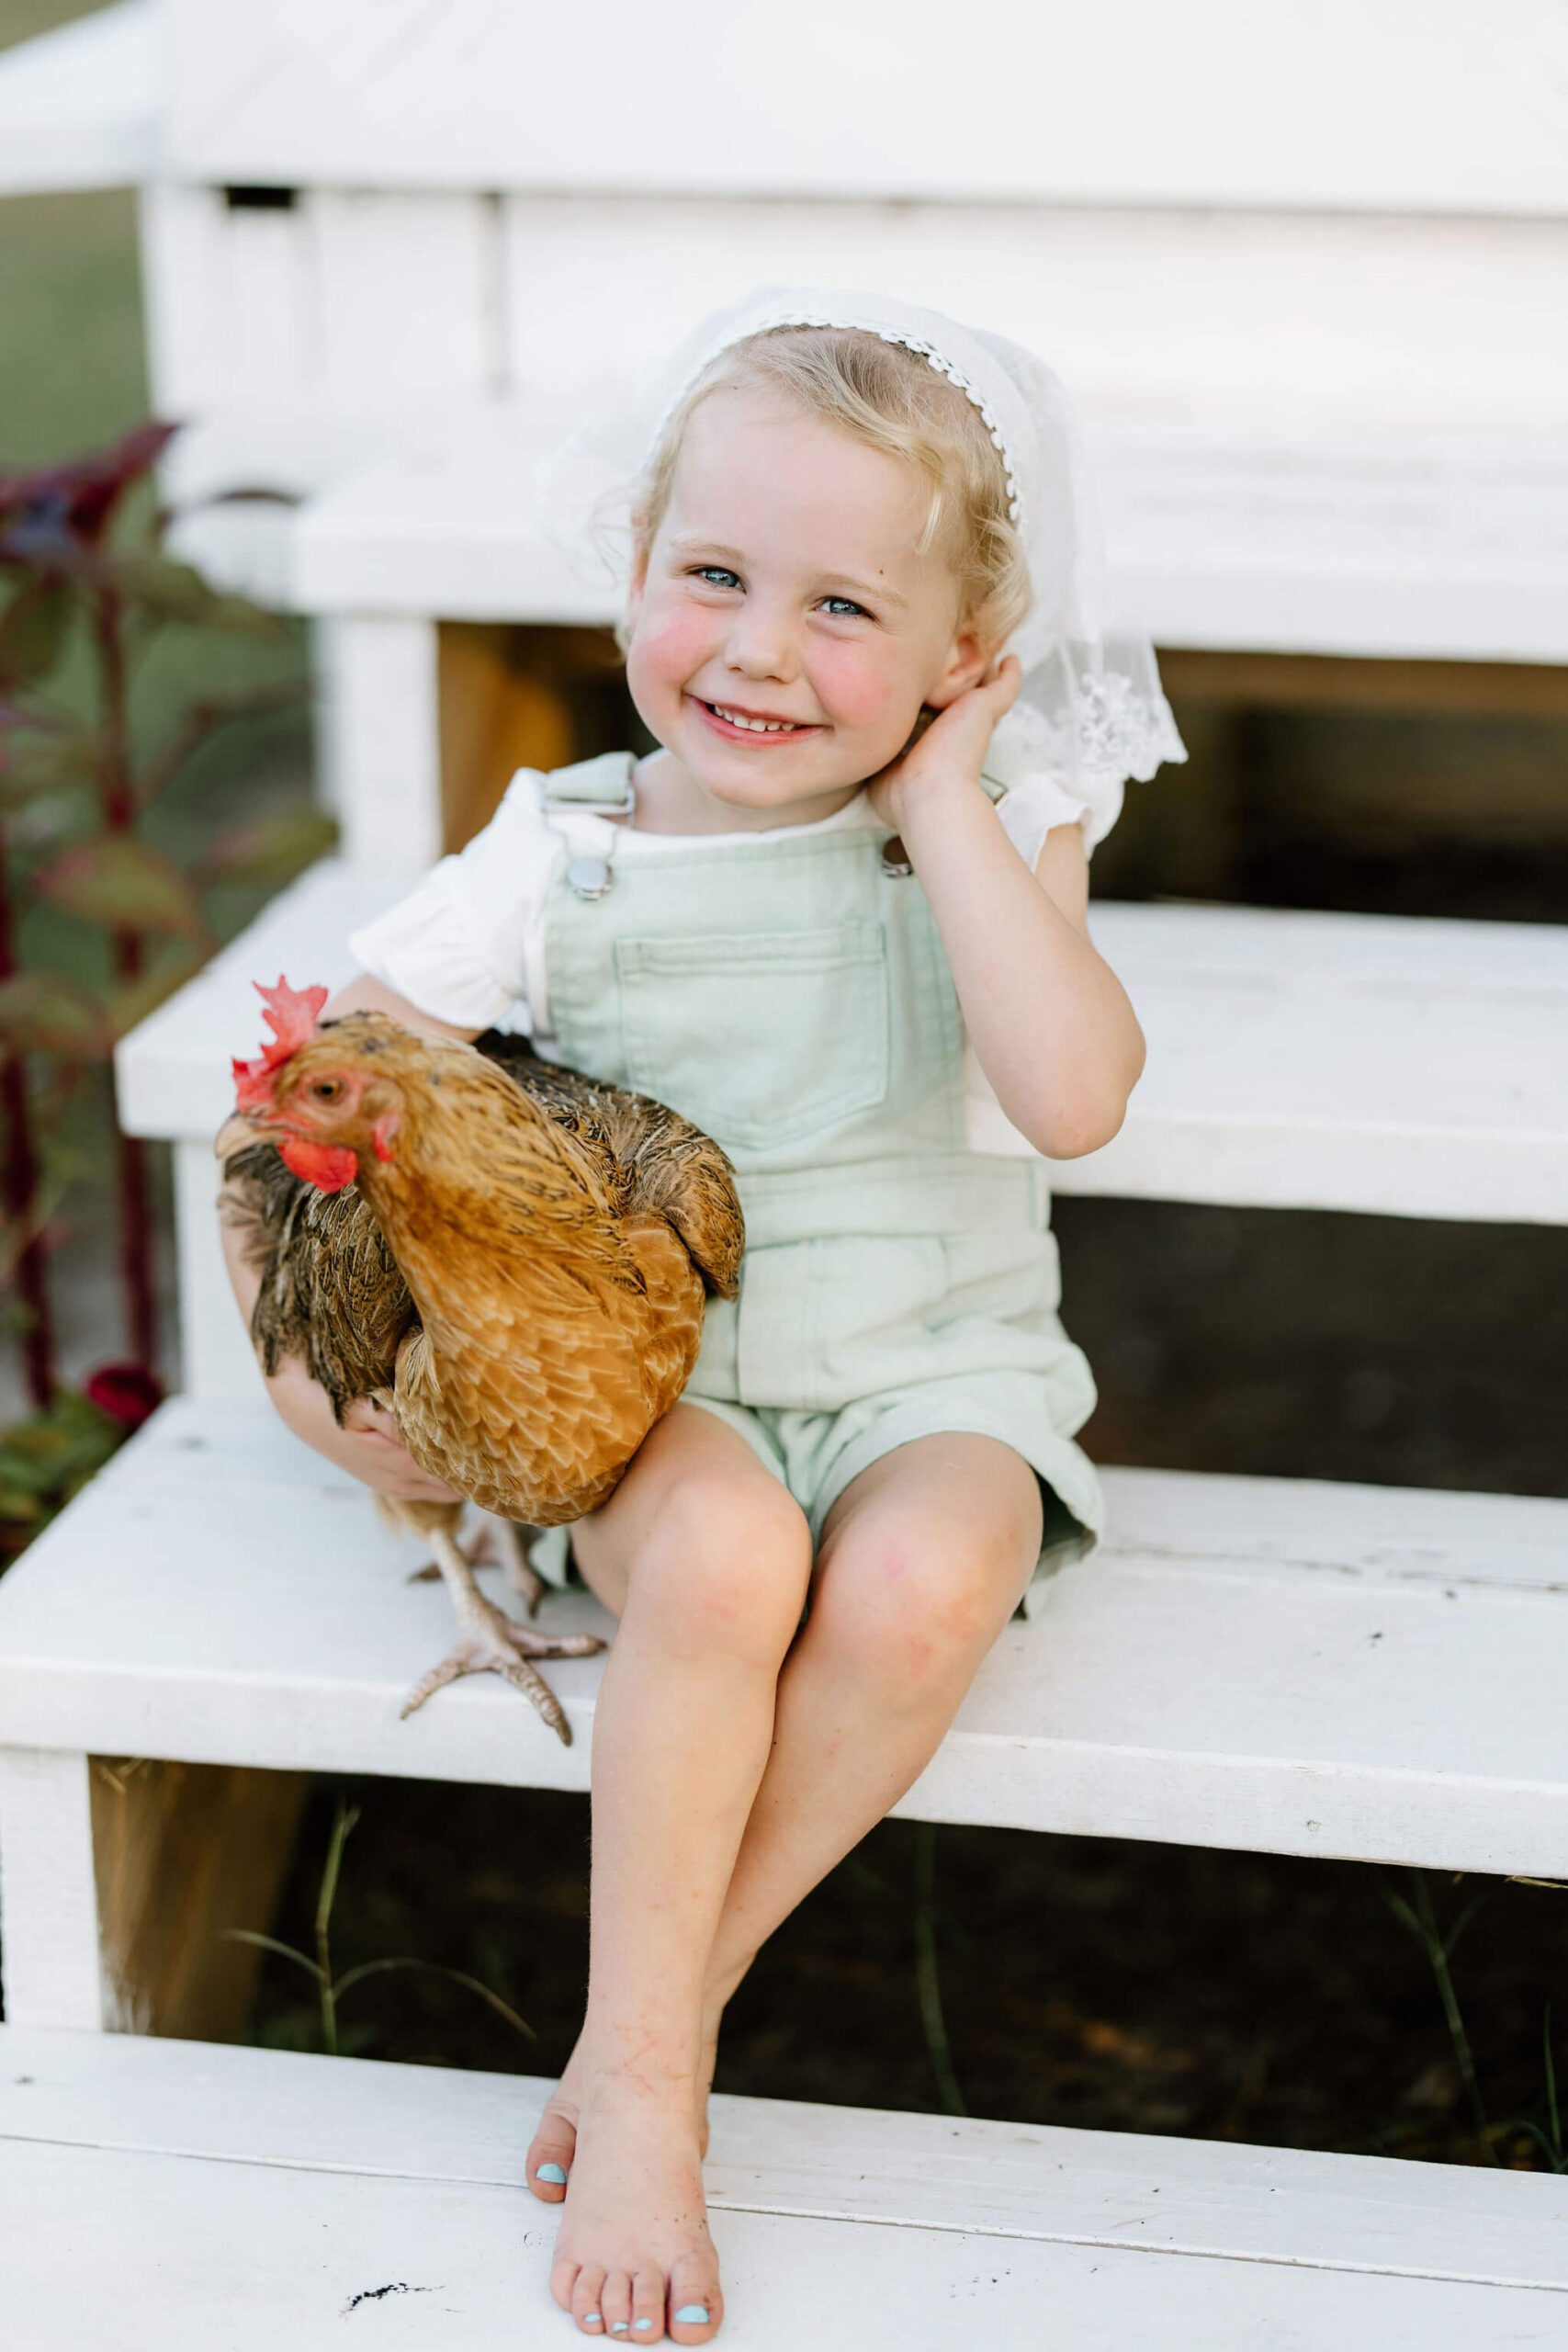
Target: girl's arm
{"type": "Point", "coordinates": [1051, 1024]}
{"type": "Point", "coordinates": [362, 994]}
{"type": "Point", "coordinates": [370, 1445]}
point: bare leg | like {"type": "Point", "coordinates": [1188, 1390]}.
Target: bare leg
{"type": "Point", "coordinates": [715, 1558]}
{"type": "Point", "coordinates": [922, 1560]}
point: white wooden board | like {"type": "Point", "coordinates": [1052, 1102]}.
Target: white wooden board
{"type": "Point", "coordinates": [1271, 1664]}
{"type": "Point", "coordinates": [1296, 1060]}
{"type": "Point", "coordinates": [165, 2196]}
{"type": "Point", "coordinates": [1412, 547]}
{"type": "Point", "coordinates": [1396, 105]}
{"type": "Point", "coordinates": [1324, 322]}
{"type": "Point", "coordinates": [79, 106]}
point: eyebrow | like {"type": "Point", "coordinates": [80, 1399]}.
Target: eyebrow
{"type": "Point", "coordinates": [879, 595]}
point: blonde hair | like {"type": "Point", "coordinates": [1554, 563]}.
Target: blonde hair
{"type": "Point", "coordinates": [893, 400]}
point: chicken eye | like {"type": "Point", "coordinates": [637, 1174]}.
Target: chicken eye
{"type": "Point", "coordinates": [326, 1090]}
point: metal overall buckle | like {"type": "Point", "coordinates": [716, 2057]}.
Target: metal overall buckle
{"type": "Point", "coordinates": [589, 878]}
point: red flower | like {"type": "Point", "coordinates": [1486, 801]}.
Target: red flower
{"type": "Point", "coordinates": [126, 1392]}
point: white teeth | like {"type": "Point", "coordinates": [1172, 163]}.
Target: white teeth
{"type": "Point", "coordinates": [755, 726]}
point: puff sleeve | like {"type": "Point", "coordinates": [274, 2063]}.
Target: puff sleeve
{"type": "Point", "coordinates": [1037, 783]}
{"type": "Point", "coordinates": [456, 946]}
{"type": "Point", "coordinates": [1031, 807]}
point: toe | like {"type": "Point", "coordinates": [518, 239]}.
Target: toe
{"type": "Point", "coordinates": [585, 2299]}
{"type": "Point", "coordinates": [616, 2303]}
{"type": "Point", "coordinates": [563, 2279]}
{"type": "Point", "coordinates": [550, 2152]}
{"type": "Point", "coordinates": [648, 2307]}
{"type": "Point", "coordinates": [695, 2305]}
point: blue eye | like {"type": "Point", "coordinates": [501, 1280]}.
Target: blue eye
{"type": "Point", "coordinates": [709, 571]}
{"type": "Point", "coordinates": [701, 572]}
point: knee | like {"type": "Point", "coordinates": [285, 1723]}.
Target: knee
{"type": "Point", "coordinates": [727, 1565]}
{"type": "Point", "coordinates": [912, 1605]}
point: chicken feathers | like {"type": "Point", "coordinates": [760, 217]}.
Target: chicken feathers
{"type": "Point", "coordinates": [517, 1262]}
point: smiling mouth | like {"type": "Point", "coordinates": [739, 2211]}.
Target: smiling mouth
{"type": "Point", "coordinates": [749, 723]}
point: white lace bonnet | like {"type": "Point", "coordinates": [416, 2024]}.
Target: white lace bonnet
{"type": "Point", "coordinates": [1089, 712]}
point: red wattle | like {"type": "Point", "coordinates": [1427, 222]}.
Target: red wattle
{"type": "Point", "coordinates": [328, 1166]}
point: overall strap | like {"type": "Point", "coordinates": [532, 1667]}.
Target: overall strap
{"type": "Point", "coordinates": [604, 784]}
{"type": "Point", "coordinates": [577, 803]}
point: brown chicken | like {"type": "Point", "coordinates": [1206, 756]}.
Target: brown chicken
{"type": "Point", "coordinates": [512, 1257]}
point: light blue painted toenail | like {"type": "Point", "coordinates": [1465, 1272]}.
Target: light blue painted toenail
{"type": "Point", "coordinates": [551, 2172]}
{"type": "Point", "coordinates": [692, 2314]}
{"type": "Point", "coordinates": [617, 2327]}
{"type": "Point", "coordinates": [642, 2323]}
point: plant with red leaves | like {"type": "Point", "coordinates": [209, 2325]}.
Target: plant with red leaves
{"type": "Point", "coordinates": [72, 798]}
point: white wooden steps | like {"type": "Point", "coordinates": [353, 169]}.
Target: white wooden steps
{"type": "Point", "coordinates": [1272, 1664]}
{"type": "Point", "coordinates": [248, 2197]}
{"type": "Point", "coordinates": [1399, 1066]}
{"type": "Point", "coordinates": [1296, 1060]}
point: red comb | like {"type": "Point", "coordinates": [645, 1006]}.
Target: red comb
{"type": "Point", "coordinates": [291, 1016]}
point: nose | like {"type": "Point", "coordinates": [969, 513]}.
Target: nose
{"type": "Point", "coordinates": [761, 643]}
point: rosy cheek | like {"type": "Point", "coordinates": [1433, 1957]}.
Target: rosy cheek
{"type": "Point", "coordinates": [667, 648]}
{"type": "Point", "coordinates": [859, 685]}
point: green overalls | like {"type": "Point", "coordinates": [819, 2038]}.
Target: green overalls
{"type": "Point", "coordinates": [793, 997]}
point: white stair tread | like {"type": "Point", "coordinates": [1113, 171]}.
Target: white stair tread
{"type": "Point", "coordinates": [1422, 546]}
{"type": "Point", "coordinates": [164, 2196]}
{"type": "Point", "coordinates": [1260, 1663]}
{"type": "Point", "coordinates": [78, 105]}
{"type": "Point", "coordinates": [1296, 1060]}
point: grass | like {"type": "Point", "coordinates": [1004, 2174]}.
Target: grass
{"type": "Point", "coordinates": [331, 1986]}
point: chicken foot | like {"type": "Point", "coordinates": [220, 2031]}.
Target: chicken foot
{"type": "Point", "coordinates": [520, 1574]}
{"type": "Point", "coordinates": [490, 1642]}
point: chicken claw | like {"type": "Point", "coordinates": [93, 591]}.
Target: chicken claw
{"type": "Point", "coordinates": [490, 1642]}
{"type": "Point", "coordinates": [520, 1574]}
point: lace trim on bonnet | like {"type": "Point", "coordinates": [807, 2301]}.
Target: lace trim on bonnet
{"type": "Point", "coordinates": [925, 349]}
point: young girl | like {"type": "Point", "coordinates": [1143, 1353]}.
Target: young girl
{"type": "Point", "coordinates": [797, 921]}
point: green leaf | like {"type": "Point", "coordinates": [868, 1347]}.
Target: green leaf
{"type": "Point", "coordinates": [62, 759]}
{"type": "Point", "coordinates": [164, 590]}
{"type": "Point", "coordinates": [41, 1013]}
{"type": "Point", "coordinates": [271, 850]}
{"type": "Point", "coordinates": [438, 1968]}
{"type": "Point", "coordinates": [270, 1943]}
{"type": "Point", "coordinates": [121, 885]}
{"type": "Point", "coordinates": [33, 629]}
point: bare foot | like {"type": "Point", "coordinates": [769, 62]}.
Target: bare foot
{"type": "Point", "coordinates": [633, 2258]}
{"type": "Point", "coordinates": [554, 2143]}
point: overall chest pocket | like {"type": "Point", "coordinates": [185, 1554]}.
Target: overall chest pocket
{"type": "Point", "coordinates": [765, 1041]}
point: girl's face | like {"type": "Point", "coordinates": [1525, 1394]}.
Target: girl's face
{"type": "Point", "coordinates": [783, 588]}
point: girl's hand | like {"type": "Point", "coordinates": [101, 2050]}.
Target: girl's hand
{"type": "Point", "coordinates": [951, 751]}
{"type": "Point", "coordinates": [369, 1445]}
{"type": "Point", "coordinates": [377, 1453]}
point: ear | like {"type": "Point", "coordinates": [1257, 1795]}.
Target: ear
{"type": "Point", "coordinates": [966, 665]}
